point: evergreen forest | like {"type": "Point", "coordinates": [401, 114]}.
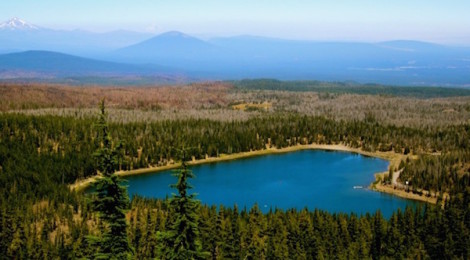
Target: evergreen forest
{"type": "Point", "coordinates": [42, 218]}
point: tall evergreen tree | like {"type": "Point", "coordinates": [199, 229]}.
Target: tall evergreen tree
{"type": "Point", "coordinates": [112, 200]}
{"type": "Point", "coordinates": [182, 239]}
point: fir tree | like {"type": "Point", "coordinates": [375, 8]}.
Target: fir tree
{"type": "Point", "coordinates": [7, 232]}
{"type": "Point", "coordinates": [112, 200]}
{"type": "Point", "coordinates": [182, 238]}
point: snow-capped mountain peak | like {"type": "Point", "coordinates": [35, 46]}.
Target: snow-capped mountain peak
{"type": "Point", "coordinates": [17, 24]}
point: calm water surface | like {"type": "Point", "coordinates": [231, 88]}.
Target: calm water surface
{"type": "Point", "coordinates": [309, 178]}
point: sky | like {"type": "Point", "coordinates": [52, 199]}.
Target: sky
{"type": "Point", "coordinates": [341, 20]}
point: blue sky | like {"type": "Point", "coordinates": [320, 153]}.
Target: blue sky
{"type": "Point", "coordinates": [358, 20]}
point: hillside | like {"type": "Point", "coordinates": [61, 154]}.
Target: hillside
{"type": "Point", "coordinates": [52, 65]}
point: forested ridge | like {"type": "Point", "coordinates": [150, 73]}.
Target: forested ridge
{"type": "Point", "coordinates": [42, 218]}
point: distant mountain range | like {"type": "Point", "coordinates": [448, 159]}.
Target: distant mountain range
{"type": "Point", "coordinates": [19, 35]}
{"type": "Point", "coordinates": [129, 53]}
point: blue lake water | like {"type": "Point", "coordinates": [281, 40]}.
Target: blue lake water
{"type": "Point", "coordinates": [309, 178]}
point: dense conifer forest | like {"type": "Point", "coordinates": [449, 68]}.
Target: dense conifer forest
{"type": "Point", "coordinates": [42, 218]}
{"type": "Point", "coordinates": [351, 87]}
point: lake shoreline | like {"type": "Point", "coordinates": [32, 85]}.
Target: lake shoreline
{"type": "Point", "coordinates": [402, 193]}
{"type": "Point", "coordinates": [392, 157]}
{"type": "Point", "coordinates": [82, 184]}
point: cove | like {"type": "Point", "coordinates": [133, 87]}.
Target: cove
{"type": "Point", "coordinates": [327, 180]}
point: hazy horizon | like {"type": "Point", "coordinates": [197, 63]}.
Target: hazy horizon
{"type": "Point", "coordinates": [363, 41]}
{"type": "Point", "coordinates": [363, 20]}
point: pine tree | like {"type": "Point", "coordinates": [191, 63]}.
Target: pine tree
{"type": "Point", "coordinates": [182, 238]}
{"type": "Point", "coordinates": [378, 235]}
{"type": "Point", "coordinates": [7, 232]}
{"type": "Point", "coordinates": [17, 248]}
{"type": "Point", "coordinates": [112, 200]}
{"type": "Point", "coordinates": [150, 238]}
{"type": "Point", "coordinates": [234, 240]}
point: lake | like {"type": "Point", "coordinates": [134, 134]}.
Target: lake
{"type": "Point", "coordinates": [328, 180]}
